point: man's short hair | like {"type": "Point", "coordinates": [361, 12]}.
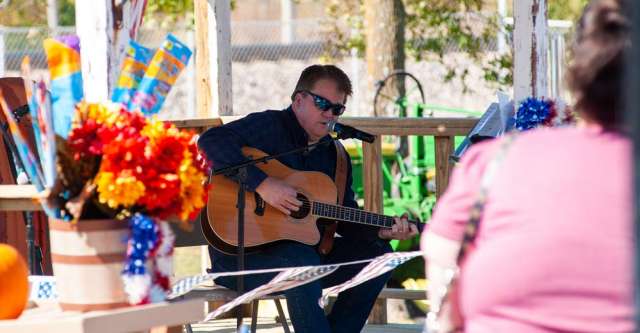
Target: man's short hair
{"type": "Point", "coordinates": [315, 73]}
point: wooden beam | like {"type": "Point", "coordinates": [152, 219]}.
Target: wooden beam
{"type": "Point", "coordinates": [213, 58]}
{"type": "Point", "coordinates": [412, 126]}
{"type": "Point", "coordinates": [372, 175]}
{"type": "Point", "coordinates": [18, 198]}
{"type": "Point", "coordinates": [530, 49]}
{"type": "Point", "coordinates": [374, 125]}
{"type": "Point", "coordinates": [48, 317]}
{"type": "Point", "coordinates": [196, 122]}
{"type": "Point", "coordinates": [444, 149]}
{"type": "Point", "coordinates": [378, 315]}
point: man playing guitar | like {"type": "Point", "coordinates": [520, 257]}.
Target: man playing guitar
{"type": "Point", "coordinates": [318, 98]}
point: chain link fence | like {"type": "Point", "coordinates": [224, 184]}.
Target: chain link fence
{"type": "Point", "coordinates": [250, 40]}
{"type": "Point", "coordinates": [268, 57]}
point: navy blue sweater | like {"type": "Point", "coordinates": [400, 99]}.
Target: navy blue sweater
{"type": "Point", "coordinates": [276, 132]}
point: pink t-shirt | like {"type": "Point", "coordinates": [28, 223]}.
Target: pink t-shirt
{"type": "Point", "coordinates": [555, 246]}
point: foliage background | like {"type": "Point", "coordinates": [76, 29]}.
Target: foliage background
{"type": "Point", "coordinates": [430, 26]}
{"type": "Point", "coordinates": [34, 13]}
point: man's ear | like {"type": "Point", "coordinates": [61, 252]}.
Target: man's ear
{"type": "Point", "coordinates": [297, 100]}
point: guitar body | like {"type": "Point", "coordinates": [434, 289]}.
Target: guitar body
{"type": "Point", "coordinates": [268, 225]}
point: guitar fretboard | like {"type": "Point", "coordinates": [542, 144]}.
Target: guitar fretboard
{"type": "Point", "coordinates": [350, 214]}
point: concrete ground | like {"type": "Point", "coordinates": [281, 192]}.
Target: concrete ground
{"type": "Point", "coordinates": [268, 325]}
{"type": "Point", "coordinates": [400, 321]}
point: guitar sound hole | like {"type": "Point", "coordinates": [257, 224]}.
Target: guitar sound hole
{"type": "Point", "coordinates": [304, 210]}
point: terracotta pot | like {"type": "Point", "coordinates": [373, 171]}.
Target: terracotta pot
{"type": "Point", "coordinates": [88, 258]}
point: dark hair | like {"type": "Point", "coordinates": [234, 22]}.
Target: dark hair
{"type": "Point", "coordinates": [595, 75]}
{"type": "Point", "coordinates": [315, 73]}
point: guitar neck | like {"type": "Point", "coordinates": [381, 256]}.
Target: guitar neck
{"type": "Point", "coordinates": [354, 215]}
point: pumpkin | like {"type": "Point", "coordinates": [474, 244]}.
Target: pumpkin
{"type": "Point", "coordinates": [14, 282]}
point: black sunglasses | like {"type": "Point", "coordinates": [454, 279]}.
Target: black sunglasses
{"type": "Point", "coordinates": [324, 104]}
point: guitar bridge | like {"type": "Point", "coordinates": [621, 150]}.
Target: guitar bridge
{"type": "Point", "coordinates": [260, 205]}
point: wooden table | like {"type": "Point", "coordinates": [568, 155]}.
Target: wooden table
{"type": "Point", "coordinates": [152, 317]}
{"type": "Point", "coordinates": [19, 198]}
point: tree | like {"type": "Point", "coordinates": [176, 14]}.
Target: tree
{"type": "Point", "coordinates": [565, 9]}
{"type": "Point", "coordinates": [168, 12]}
{"type": "Point", "coordinates": [29, 13]}
{"type": "Point", "coordinates": [431, 27]}
{"type": "Point", "coordinates": [384, 22]}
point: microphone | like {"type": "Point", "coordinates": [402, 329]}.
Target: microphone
{"type": "Point", "coordinates": [348, 132]}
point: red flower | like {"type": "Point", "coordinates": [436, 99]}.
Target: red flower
{"type": "Point", "coordinates": [84, 140]}
{"type": "Point", "coordinates": [124, 152]}
{"type": "Point", "coordinates": [200, 161]}
{"type": "Point", "coordinates": [167, 153]}
{"type": "Point", "coordinates": [159, 193]}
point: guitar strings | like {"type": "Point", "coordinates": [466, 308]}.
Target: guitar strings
{"type": "Point", "coordinates": [307, 204]}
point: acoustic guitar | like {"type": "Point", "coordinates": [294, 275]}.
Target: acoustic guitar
{"type": "Point", "coordinates": [264, 224]}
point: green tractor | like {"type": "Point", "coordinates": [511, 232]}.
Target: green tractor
{"type": "Point", "coordinates": [408, 167]}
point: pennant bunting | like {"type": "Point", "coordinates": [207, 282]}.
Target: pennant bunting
{"type": "Point", "coordinates": [288, 279]}
{"type": "Point", "coordinates": [375, 268]}
{"type": "Point", "coordinates": [187, 284]}
{"type": "Point", "coordinates": [44, 288]}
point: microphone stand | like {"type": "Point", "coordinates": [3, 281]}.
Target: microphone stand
{"type": "Point", "coordinates": [239, 174]}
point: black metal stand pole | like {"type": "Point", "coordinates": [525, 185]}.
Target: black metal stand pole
{"type": "Point", "coordinates": [242, 178]}
{"type": "Point", "coordinates": [31, 246]}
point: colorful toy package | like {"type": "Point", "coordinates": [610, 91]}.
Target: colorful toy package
{"type": "Point", "coordinates": [134, 66]}
{"type": "Point", "coordinates": [46, 137]}
{"type": "Point", "coordinates": [164, 68]}
{"type": "Point", "coordinates": [63, 56]}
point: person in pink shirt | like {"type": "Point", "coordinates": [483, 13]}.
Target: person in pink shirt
{"type": "Point", "coordinates": [554, 248]}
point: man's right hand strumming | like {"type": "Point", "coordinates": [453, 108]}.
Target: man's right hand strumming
{"type": "Point", "coordinates": [279, 195]}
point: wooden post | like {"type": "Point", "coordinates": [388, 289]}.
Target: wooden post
{"type": "Point", "coordinates": [502, 34]}
{"type": "Point", "coordinates": [384, 22]}
{"type": "Point", "coordinates": [287, 13]}
{"type": "Point", "coordinates": [372, 183]}
{"type": "Point", "coordinates": [2, 52]}
{"type": "Point", "coordinates": [213, 58]}
{"type": "Point", "coordinates": [378, 314]}
{"type": "Point", "coordinates": [104, 31]}
{"type": "Point", "coordinates": [213, 74]}
{"type": "Point", "coordinates": [530, 44]}
{"type": "Point", "coordinates": [444, 149]}
{"type": "Point", "coordinates": [94, 20]}
{"type": "Point", "coordinates": [372, 175]}
{"type": "Point", "coordinates": [52, 16]}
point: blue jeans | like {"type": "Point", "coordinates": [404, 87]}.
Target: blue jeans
{"type": "Point", "coordinates": [352, 307]}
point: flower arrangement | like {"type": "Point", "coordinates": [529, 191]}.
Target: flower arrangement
{"type": "Point", "coordinates": [114, 159]}
{"type": "Point", "coordinates": [141, 165]}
